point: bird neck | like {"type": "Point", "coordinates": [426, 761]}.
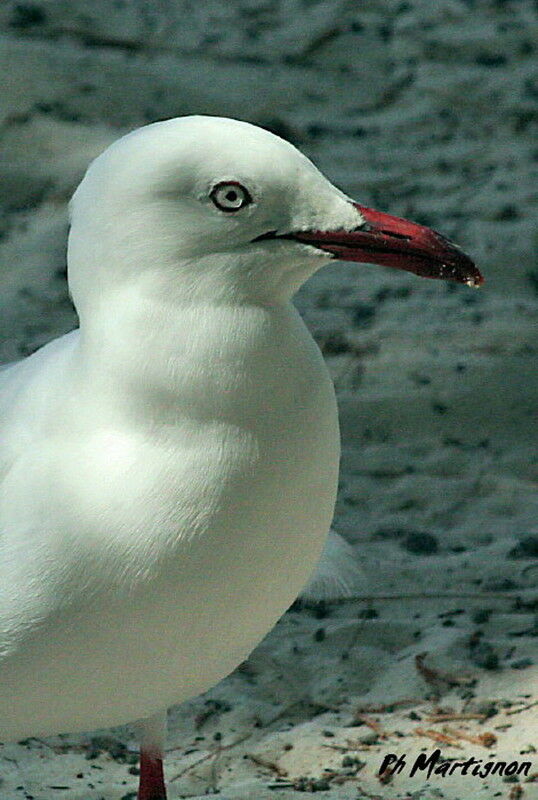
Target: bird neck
{"type": "Point", "coordinates": [159, 351]}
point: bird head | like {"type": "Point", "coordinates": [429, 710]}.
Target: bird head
{"type": "Point", "coordinates": [213, 209]}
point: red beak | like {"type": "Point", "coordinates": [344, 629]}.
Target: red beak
{"type": "Point", "coordinates": [396, 242]}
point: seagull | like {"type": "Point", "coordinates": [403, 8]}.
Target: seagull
{"type": "Point", "coordinates": [168, 470]}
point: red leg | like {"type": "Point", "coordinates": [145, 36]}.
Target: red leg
{"type": "Point", "coordinates": [151, 784]}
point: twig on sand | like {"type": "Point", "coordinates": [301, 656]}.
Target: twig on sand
{"type": "Point", "coordinates": [371, 796]}
{"type": "Point", "coordinates": [437, 736]}
{"type": "Point", "coordinates": [436, 676]}
{"type": "Point", "coordinates": [192, 765]}
{"type": "Point", "coordinates": [455, 716]}
{"type": "Point", "coordinates": [316, 706]}
{"type": "Point", "coordinates": [212, 708]}
{"type": "Point", "coordinates": [211, 754]}
{"type": "Point", "coordinates": [372, 598]}
{"type": "Point", "coordinates": [266, 764]}
{"type": "Point", "coordinates": [386, 708]}
{"type": "Point", "coordinates": [356, 745]}
{"type": "Point", "coordinates": [485, 739]}
{"type": "Point", "coordinates": [340, 748]}
{"type": "Point", "coordinates": [523, 708]}
{"type": "Point", "coordinates": [516, 792]}
{"type": "Point", "coordinates": [386, 776]}
{"type": "Point", "coordinates": [371, 723]}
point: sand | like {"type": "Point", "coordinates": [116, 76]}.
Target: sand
{"type": "Point", "coordinates": [422, 109]}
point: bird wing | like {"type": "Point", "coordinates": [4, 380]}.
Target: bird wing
{"type": "Point", "coordinates": [29, 389]}
{"type": "Point", "coordinates": [338, 573]}
{"type": "Point", "coordinates": [31, 393]}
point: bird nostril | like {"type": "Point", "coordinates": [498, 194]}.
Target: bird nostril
{"type": "Point", "coordinates": [395, 235]}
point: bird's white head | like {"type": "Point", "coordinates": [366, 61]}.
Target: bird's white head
{"type": "Point", "coordinates": [218, 210]}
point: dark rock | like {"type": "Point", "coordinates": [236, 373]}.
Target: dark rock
{"type": "Point", "coordinates": [523, 663]}
{"type": "Point", "coordinates": [490, 60]}
{"type": "Point", "coordinates": [419, 543]}
{"type": "Point", "coordinates": [527, 547]}
{"type": "Point", "coordinates": [319, 635]}
{"type": "Point", "coordinates": [26, 15]}
{"type": "Point", "coordinates": [532, 277]}
{"type": "Point", "coordinates": [506, 213]}
{"type": "Point", "coordinates": [499, 585]}
{"type": "Point", "coordinates": [389, 293]}
{"type": "Point", "coordinates": [315, 130]}
{"type": "Point", "coordinates": [334, 344]}
{"type": "Point", "coordinates": [390, 532]}
{"type": "Point", "coordinates": [363, 315]}
{"type": "Point", "coordinates": [115, 749]}
{"type": "Point", "coordinates": [303, 784]}
{"type": "Point", "coordinates": [483, 655]}
{"type": "Point", "coordinates": [368, 613]}
{"type": "Point", "coordinates": [482, 615]}
{"type": "Point", "coordinates": [320, 785]}
{"type": "Point", "coordinates": [351, 761]}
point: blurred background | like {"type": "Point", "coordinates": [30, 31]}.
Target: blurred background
{"type": "Point", "coordinates": [428, 110]}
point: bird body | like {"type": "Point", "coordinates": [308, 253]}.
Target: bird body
{"type": "Point", "coordinates": [168, 471]}
{"type": "Point", "coordinates": [185, 510]}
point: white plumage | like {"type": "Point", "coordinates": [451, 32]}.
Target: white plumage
{"type": "Point", "coordinates": [169, 470]}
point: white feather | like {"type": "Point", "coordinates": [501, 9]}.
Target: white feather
{"type": "Point", "coordinates": [338, 574]}
{"type": "Point", "coordinates": [168, 472]}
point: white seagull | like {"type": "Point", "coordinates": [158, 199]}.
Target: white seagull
{"type": "Point", "coordinates": [168, 471]}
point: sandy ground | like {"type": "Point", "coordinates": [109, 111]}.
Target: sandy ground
{"type": "Point", "coordinates": [423, 109]}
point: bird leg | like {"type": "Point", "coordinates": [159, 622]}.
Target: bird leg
{"type": "Point", "coordinates": [151, 784]}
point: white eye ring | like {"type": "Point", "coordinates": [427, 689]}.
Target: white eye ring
{"type": "Point", "coordinates": [230, 196]}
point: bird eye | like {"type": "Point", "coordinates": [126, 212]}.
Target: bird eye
{"type": "Point", "coordinates": [230, 196]}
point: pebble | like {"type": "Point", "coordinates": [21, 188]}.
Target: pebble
{"type": "Point", "coordinates": [422, 544]}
